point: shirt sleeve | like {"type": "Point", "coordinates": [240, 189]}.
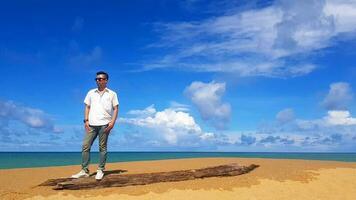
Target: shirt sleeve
{"type": "Point", "coordinates": [87, 99]}
{"type": "Point", "coordinates": [115, 100]}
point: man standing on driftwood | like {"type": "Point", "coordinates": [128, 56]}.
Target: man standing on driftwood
{"type": "Point", "coordinates": [101, 109]}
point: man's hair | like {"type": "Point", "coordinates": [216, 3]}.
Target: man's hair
{"type": "Point", "coordinates": [102, 72]}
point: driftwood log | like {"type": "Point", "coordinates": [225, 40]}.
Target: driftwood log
{"type": "Point", "coordinates": [117, 180]}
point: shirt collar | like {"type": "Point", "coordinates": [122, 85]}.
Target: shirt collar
{"type": "Point", "coordinates": [106, 90]}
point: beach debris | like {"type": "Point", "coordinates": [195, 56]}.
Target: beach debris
{"type": "Point", "coordinates": [122, 180]}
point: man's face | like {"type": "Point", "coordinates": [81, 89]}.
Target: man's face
{"type": "Point", "coordinates": [101, 80]}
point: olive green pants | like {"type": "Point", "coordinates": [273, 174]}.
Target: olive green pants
{"type": "Point", "coordinates": [87, 143]}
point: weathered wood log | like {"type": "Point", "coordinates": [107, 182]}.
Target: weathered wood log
{"type": "Point", "coordinates": [116, 180]}
{"type": "Point", "coordinates": [54, 182]}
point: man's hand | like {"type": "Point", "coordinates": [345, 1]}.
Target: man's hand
{"type": "Point", "coordinates": [110, 126]}
{"type": "Point", "coordinates": [86, 126]}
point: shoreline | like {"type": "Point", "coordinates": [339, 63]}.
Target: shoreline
{"type": "Point", "coordinates": [17, 160]}
{"type": "Point", "coordinates": [288, 176]}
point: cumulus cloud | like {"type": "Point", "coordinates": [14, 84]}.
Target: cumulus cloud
{"type": "Point", "coordinates": [24, 128]}
{"type": "Point", "coordinates": [285, 116]}
{"type": "Point", "coordinates": [296, 141]}
{"type": "Point", "coordinates": [340, 117]}
{"type": "Point", "coordinates": [276, 140]}
{"type": "Point", "coordinates": [207, 98]}
{"type": "Point", "coordinates": [149, 111]}
{"type": "Point", "coordinates": [339, 96]}
{"type": "Point", "coordinates": [256, 42]}
{"type": "Point", "coordinates": [334, 120]}
{"type": "Point", "coordinates": [247, 140]}
{"type": "Point", "coordinates": [331, 132]}
{"type": "Point", "coordinates": [172, 129]}
{"type": "Point", "coordinates": [34, 118]}
{"type": "Point", "coordinates": [179, 107]}
{"type": "Point", "coordinates": [176, 128]}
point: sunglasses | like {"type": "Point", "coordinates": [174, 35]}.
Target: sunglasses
{"type": "Point", "coordinates": [100, 79]}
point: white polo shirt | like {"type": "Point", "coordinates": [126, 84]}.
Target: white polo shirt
{"type": "Point", "coordinates": [101, 106]}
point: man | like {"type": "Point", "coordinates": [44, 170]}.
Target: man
{"type": "Point", "coordinates": [101, 109]}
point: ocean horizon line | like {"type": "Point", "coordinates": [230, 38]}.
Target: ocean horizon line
{"type": "Point", "coordinates": [10, 160]}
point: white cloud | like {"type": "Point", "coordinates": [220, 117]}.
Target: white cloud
{"type": "Point", "coordinates": [344, 12]}
{"type": "Point", "coordinates": [336, 120]}
{"type": "Point", "coordinates": [339, 96]}
{"type": "Point", "coordinates": [340, 117]}
{"type": "Point", "coordinates": [34, 118]}
{"type": "Point", "coordinates": [175, 127]}
{"type": "Point", "coordinates": [170, 129]}
{"type": "Point", "coordinates": [259, 42]}
{"type": "Point", "coordinates": [304, 27]}
{"type": "Point", "coordinates": [285, 115]}
{"type": "Point", "coordinates": [149, 111]}
{"type": "Point", "coordinates": [333, 132]}
{"type": "Point", "coordinates": [207, 98]}
{"type": "Point", "coordinates": [179, 107]}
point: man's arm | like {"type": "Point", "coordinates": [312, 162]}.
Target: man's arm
{"type": "Point", "coordinates": [86, 117]}
{"type": "Point", "coordinates": [114, 116]}
{"type": "Point", "coordinates": [113, 119]}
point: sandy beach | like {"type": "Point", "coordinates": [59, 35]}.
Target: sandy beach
{"type": "Point", "coordinates": [274, 179]}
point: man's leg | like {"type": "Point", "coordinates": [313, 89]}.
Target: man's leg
{"type": "Point", "coordinates": [88, 141]}
{"type": "Point", "coordinates": [103, 141]}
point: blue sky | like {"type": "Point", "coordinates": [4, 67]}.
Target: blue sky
{"type": "Point", "coordinates": [191, 75]}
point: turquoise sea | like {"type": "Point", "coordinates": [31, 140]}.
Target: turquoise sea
{"type": "Point", "coordinates": [9, 160]}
